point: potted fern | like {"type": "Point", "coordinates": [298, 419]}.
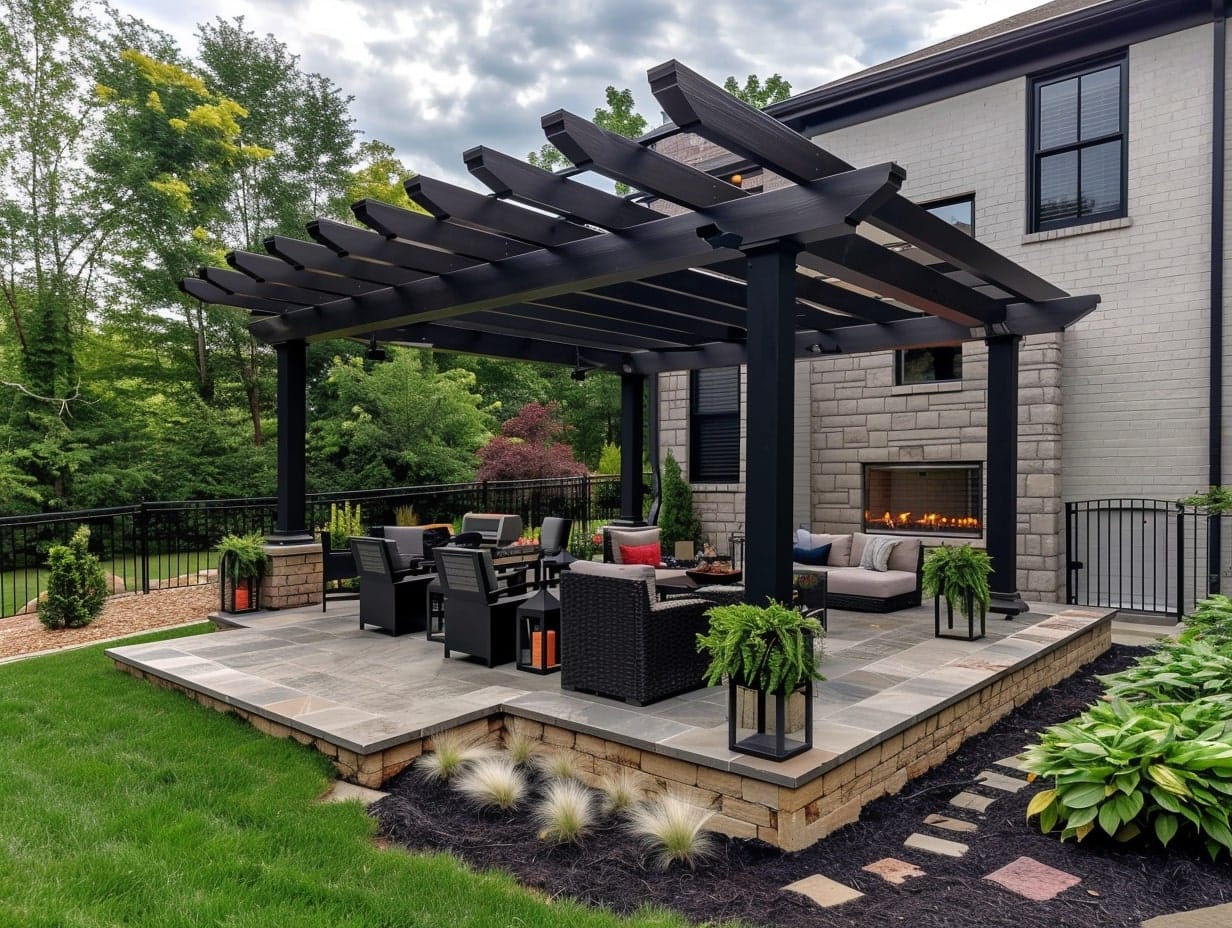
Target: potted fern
{"type": "Point", "coordinates": [959, 575]}
{"type": "Point", "coordinates": [240, 568]}
{"type": "Point", "coordinates": [769, 657]}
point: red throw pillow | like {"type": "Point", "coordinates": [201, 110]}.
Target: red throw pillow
{"type": "Point", "coordinates": [640, 554]}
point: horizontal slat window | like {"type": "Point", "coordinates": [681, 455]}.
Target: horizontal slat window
{"type": "Point", "coordinates": [714, 427]}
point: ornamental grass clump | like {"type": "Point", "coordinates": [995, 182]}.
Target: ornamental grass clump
{"type": "Point", "coordinates": [566, 812]}
{"type": "Point", "coordinates": [492, 782]}
{"type": "Point", "coordinates": [520, 747]}
{"type": "Point", "coordinates": [1130, 769]}
{"type": "Point", "coordinates": [672, 830]}
{"type": "Point", "coordinates": [559, 766]}
{"type": "Point", "coordinates": [622, 788]}
{"type": "Point", "coordinates": [451, 753]}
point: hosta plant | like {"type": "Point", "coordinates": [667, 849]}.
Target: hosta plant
{"type": "Point", "coordinates": [1211, 621]}
{"type": "Point", "coordinates": [1174, 673]}
{"type": "Point", "coordinates": [1131, 769]}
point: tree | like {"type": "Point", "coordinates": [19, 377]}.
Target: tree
{"type": "Point", "coordinates": [529, 447]}
{"type": "Point", "coordinates": [755, 93]}
{"type": "Point", "coordinates": [379, 175]}
{"type": "Point", "coordinates": [677, 521]}
{"type": "Point", "coordinates": [619, 117]}
{"type": "Point", "coordinates": [397, 423]}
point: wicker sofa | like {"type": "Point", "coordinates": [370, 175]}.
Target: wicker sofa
{"type": "Point", "coordinates": [850, 586]}
{"type": "Point", "coordinates": [617, 641]}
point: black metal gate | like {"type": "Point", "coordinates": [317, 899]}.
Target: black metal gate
{"type": "Point", "coordinates": [1144, 555]}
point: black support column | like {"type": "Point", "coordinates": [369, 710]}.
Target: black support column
{"type": "Point", "coordinates": [1002, 524]}
{"type": "Point", "coordinates": [770, 435]}
{"type": "Point", "coordinates": [291, 524]}
{"type": "Point", "coordinates": [632, 447]}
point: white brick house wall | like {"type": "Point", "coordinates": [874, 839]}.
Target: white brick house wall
{"type": "Point", "coordinates": [1118, 405]}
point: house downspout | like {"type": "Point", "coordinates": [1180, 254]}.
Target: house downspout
{"type": "Point", "coordinates": [1218, 131]}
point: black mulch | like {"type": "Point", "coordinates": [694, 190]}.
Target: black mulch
{"type": "Point", "coordinates": [1120, 885]}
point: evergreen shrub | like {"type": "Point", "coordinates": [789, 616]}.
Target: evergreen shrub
{"type": "Point", "coordinates": [76, 585]}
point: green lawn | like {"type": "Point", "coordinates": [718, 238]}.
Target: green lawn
{"type": "Point", "coordinates": [125, 804]}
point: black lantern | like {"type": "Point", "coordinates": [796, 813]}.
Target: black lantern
{"type": "Point", "coordinates": [967, 605]}
{"type": "Point", "coordinates": [539, 634]}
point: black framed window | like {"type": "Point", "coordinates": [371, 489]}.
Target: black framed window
{"type": "Point", "coordinates": [942, 363]}
{"type": "Point", "coordinates": [1078, 145]}
{"type": "Point", "coordinates": [714, 425]}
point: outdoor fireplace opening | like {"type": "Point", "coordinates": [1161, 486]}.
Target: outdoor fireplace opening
{"type": "Point", "coordinates": [937, 499]}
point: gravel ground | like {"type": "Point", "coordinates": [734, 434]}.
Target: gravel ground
{"type": "Point", "coordinates": [124, 614]}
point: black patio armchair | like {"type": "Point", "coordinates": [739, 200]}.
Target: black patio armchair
{"type": "Point", "coordinates": [617, 641]}
{"type": "Point", "coordinates": [389, 597]}
{"type": "Point", "coordinates": [554, 541]}
{"type": "Point", "coordinates": [480, 615]}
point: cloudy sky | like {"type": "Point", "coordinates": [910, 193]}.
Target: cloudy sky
{"type": "Point", "coordinates": [435, 78]}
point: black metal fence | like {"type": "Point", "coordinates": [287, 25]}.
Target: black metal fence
{"type": "Point", "coordinates": [1144, 555]}
{"type": "Point", "coordinates": [164, 544]}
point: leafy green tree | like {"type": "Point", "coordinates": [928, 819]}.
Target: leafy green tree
{"type": "Point", "coordinates": [618, 117]}
{"type": "Point", "coordinates": [378, 175]}
{"type": "Point", "coordinates": [399, 423]}
{"type": "Point", "coordinates": [755, 93]}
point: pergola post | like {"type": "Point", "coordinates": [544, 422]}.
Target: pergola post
{"type": "Point", "coordinates": [769, 436]}
{"type": "Point", "coordinates": [632, 447]}
{"type": "Point", "coordinates": [1002, 533]}
{"type": "Point", "coordinates": [291, 523]}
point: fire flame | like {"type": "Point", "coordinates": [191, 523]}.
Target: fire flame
{"type": "Point", "coordinates": [930, 520]}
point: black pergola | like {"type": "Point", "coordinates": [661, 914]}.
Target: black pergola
{"type": "Point", "coordinates": [547, 268]}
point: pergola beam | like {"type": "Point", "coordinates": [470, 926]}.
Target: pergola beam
{"type": "Point", "coordinates": [207, 292]}
{"type": "Point", "coordinates": [804, 214]}
{"type": "Point", "coordinates": [265, 268]}
{"type": "Point", "coordinates": [361, 243]}
{"type": "Point", "coordinates": [696, 105]}
{"type": "Point", "coordinates": [509, 177]}
{"type": "Point", "coordinates": [445, 201]}
{"type": "Point", "coordinates": [309, 256]}
{"type": "Point", "coordinates": [396, 222]}
{"type": "Point", "coordinates": [589, 146]}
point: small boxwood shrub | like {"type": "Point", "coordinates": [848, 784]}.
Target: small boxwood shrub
{"type": "Point", "coordinates": [76, 584]}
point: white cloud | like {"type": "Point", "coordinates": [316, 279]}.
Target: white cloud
{"type": "Point", "coordinates": [434, 78]}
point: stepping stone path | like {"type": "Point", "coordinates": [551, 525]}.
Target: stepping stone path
{"type": "Point", "coordinates": [1215, 916]}
{"type": "Point", "coordinates": [949, 824]}
{"type": "Point", "coordinates": [824, 891]}
{"type": "Point", "coordinates": [1032, 879]}
{"type": "Point", "coordinates": [1026, 877]}
{"type": "Point", "coordinates": [341, 791]}
{"type": "Point", "coordinates": [893, 870]}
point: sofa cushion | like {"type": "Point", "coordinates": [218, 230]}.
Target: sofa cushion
{"type": "Point", "coordinates": [906, 555]}
{"type": "Point", "coordinates": [813, 556]}
{"type": "Point", "coordinates": [631, 537]}
{"type": "Point", "coordinates": [856, 581]}
{"type": "Point", "coordinates": [840, 546]}
{"type": "Point", "coordinates": [641, 554]}
{"type": "Point", "coordinates": [640, 572]}
{"type": "Point", "coordinates": [876, 553]}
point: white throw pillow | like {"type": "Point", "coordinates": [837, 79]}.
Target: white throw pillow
{"type": "Point", "coordinates": [876, 554]}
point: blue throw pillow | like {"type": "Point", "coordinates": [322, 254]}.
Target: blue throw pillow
{"type": "Point", "coordinates": [814, 556]}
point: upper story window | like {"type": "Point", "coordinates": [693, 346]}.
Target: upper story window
{"type": "Point", "coordinates": [714, 426]}
{"type": "Point", "coordinates": [941, 363]}
{"type": "Point", "coordinates": [1078, 160]}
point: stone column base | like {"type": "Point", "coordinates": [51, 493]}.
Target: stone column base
{"type": "Point", "coordinates": [292, 577]}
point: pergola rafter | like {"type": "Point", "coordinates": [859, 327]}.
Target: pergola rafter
{"type": "Point", "coordinates": [548, 268]}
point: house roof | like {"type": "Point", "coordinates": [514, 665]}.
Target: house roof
{"type": "Point", "coordinates": [1045, 37]}
{"type": "Point", "coordinates": [547, 268]}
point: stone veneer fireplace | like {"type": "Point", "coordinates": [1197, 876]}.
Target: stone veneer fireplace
{"type": "Point", "coordinates": [937, 499]}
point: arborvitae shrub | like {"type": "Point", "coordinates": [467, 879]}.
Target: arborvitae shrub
{"type": "Point", "coordinates": [76, 584]}
{"type": "Point", "coordinates": [676, 519]}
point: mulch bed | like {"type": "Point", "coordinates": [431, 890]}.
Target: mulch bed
{"type": "Point", "coordinates": [1120, 885]}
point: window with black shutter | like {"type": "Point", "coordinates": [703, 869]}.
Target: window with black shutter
{"type": "Point", "coordinates": [1078, 160]}
{"type": "Point", "coordinates": [714, 427]}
